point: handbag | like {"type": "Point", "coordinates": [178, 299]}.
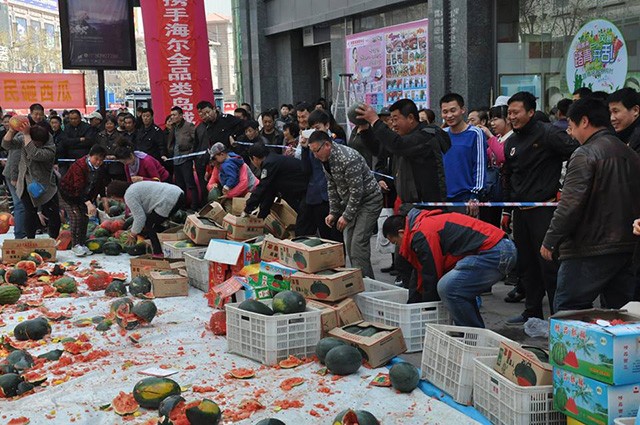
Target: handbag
{"type": "Point", "coordinates": [382, 244]}
{"type": "Point", "coordinates": [35, 188]}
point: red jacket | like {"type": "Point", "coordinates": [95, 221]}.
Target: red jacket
{"type": "Point", "coordinates": [149, 169]}
{"type": "Point", "coordinates": [74, 182]}
{"type": "Point", "coordinates": [435, 241]}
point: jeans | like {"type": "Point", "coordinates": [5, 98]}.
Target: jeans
{"type": "Point", "coordinates": [473, 275]}
{"type": "Point", "coordinates": [153, 225]}
{"type": "Point", "coordinates": [18, 212]}
{"type": "Point", "coordinates": [357, 235]}
{"type": "Point", "coordinates": [581, 280]}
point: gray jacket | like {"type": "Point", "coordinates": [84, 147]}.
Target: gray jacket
{"type": "Point", "coordinates": [350, 182]}
{"type": "Point", "coordinates": [36, 163]}
{"type": "Point", "coordinates": [10, 171]}
{"type": "Point", "coordinates": [182, 141]}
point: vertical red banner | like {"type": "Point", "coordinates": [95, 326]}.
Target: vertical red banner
{"type": "Point", "coordinates": [178, 56]}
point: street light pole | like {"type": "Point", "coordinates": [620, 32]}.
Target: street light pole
{"type": "Point", "coordinates": [102, 101]}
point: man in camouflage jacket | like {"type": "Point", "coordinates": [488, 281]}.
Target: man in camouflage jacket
{"type": "Point", "coordinates": [355, 200]}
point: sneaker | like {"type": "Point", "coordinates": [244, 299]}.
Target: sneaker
{"type": "Point", "coordinates": [518, 320]}
{"type": "Point", "coordinates": [80, 250]}
{"type": "Point", "coordinates": [399, 282]}
{"type": "Point", "coordinates": [87, 251]}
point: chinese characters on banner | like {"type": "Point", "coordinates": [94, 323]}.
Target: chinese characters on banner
{"type": "Point", "coordinates": [390, 64]}
{"type": "Point", "coordinates": [597, 58]}
{"type": "Point", "coordinates": [178, 55]}
{"type": "Point", "coordinates": [63, 91]}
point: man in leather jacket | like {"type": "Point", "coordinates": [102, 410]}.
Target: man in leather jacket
{"type": "Point", "coordinates": [533, 163]}
{"type": "Point", "coordinates": [591, 228]}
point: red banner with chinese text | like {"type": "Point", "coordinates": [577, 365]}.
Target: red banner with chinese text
{"type": "Point", "coordinates": [63, 91]}
{"type": "Point", "coordinates": [178, 56]}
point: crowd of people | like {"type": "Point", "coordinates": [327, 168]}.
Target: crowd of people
{"type": "Point", "coordinates": [582, 156]}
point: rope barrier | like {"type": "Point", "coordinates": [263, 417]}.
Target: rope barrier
{"type": "Point", "coordinates": [487, 204]}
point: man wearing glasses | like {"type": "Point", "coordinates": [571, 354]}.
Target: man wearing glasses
{"type": "Point", "coordinates": [355, 200]}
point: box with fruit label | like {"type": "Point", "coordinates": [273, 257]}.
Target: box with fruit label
{"type": "Point", "coordinates": [593, 402]}
{"type": "Point", "coordinates": [599, 344]}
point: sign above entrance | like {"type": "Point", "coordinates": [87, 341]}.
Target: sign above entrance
{"type": "Point", "coordinates": [597, 58]}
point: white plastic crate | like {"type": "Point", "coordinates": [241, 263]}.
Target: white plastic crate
{"type": "Point", "coordinates": [391, 308]}
{"type": "Point", "coordinates": [371, 285]}
{"type": "Point", "coordinates": [170, 251]}
{"type": "Point", "coordinates": [506, 403]}
{"type": "Point", "coordinates": [448, 353]}
{"type": "Point", "coordinates": [197, 269]}
{"type": "Point", "coordinates": [269, 339]}
{"type": "Point", "coordinates": [625, 421]}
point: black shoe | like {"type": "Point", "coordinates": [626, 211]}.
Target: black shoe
{"type": "Point", "coordinates": [388, 269]}
{"type": "Point", "coordinates": [514, 296]}
{"type": "Point", "coordinates": [511, 280]}
{"type": "Point", "coordinates": [394, 272]}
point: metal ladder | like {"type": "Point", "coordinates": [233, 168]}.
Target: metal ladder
{"type": "Point", "coordinates": [342, 102]}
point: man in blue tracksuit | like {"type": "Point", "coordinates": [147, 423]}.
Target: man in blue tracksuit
{"type": "Point", "coordinates": [465, 162]}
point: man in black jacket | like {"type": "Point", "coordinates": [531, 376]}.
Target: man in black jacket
{"type": "Point", "coordinates": [624, 108]}
{"type": "Point", "coordinates": [533, 163]}
{"type": "Point", "coordinates": [279, 175]}
{"type": "Point", "coordinates": [76, 141]}
{"type": "Point", "coordinates": [213, 128]}
{"type": "Point", "coordinates": [150, 138]}
{"type": "Point", "coordinates": [591, 226]}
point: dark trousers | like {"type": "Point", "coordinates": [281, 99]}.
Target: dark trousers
{"type": "Point", "coordinates": [311, 222]}
{"type": "Point", "coordinates": [78, 221]}
{"type": "Point", "coordinates": [581, 280]}
{"type": "Point", "coordinates": [538, 275]}
{"type": "Point", "coordinates": [185, 181]}
{"type": "Point", "coordinates": [51, 210]}
{"type": "Point", "coordinates": [201, 169]}
{"type": "Point", "coordinates": [152, 226]}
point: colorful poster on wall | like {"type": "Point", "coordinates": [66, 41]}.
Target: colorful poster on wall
{"type": "Point", "coordinates": [389, 64]}
{"type": "Point", "coordinates": [597, 58]}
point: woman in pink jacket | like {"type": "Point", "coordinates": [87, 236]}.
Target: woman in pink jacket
{"type": "Point", "coordinates": [138, 165]}
{"type": "Point", "coordinates": [230, 173]}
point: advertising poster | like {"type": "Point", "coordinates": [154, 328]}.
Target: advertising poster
{"type": "Point", "coordinates": [178, 55]}
{"type": "Point", "coordinates": [97, 34]}
{"type": "Point", "coordinates": [390, 64]}
{"type": "Point", "coordinates": [597, 58]}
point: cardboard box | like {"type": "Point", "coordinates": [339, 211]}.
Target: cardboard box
{"type": "Point", "coordinates": [226, 257]}
{"type": "Point", "coordinates": [592, 402]}
{"type": "Point", "coordinates": [597, 350]}
{"type": "Point", "coordinates": [214, 212]}
{"type": "Point", "coordinates": [275, 226]}
{"type": "Point", "coordinates": [222, 293]}
{"type": "Point", "coordinates": [238, 204]}
{"type": "Point", "coordinates": [285, 213]}
{"type": "Point", "coordinates": [14, 249]}
{"type": "Point", "coordinates": [276, 276]}
{"type": "Point", "coordinates": [379, 348]}
{"type": "Point", "coordinates": [175, 233]}
{"type": "Point", "coordinates": [310, 259]}
{"type": "Point", "coordinates": [270, 247]}
{"type": "Point", "coordinates": [243, 228]}
{"type": "Point", "coordinates": [348, 312]}
{"type": "Point", "coordinates": [521, 366]}
{"type": "Point", "coordinates": [169, 284]}
{"type": "Point", "coordinates": [255, 249]}
{"type": "Point", "coordinates": [201, 230]}
{"type": "Point", "coordinates": [328, 316]}
{"type": "Point", "coordinates": [328, 285]}
{"type": "Point", "coordinates": [145, 264]}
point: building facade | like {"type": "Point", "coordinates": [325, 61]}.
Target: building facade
{"type": "Point", "coordinates": [222, 53]}
{"type": "Point", "coordinates": [478, 48]}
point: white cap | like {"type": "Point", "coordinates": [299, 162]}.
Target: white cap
{"type": "Point", "coordinates": [94, 114]}
{"type": "Point", "coordinates": [502, 101]}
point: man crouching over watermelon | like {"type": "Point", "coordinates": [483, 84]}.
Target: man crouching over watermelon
{"type": "Point", "coordinates": [455, 258]}
{"type": "Point", "coordinates": [150, 203]}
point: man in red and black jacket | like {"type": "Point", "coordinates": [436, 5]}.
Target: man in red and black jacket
{"type": "Point", "coordinates": [455, 257]}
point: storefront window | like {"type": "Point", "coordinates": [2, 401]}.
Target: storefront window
{"type": "Point", "coordinates": [535, 37]}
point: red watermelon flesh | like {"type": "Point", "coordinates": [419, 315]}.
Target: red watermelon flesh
{"type": "Point", "coordinates": [571, 406]}
{"type": "Point", "coordinates": [571, 359]}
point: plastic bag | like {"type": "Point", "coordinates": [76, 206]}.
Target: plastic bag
{"type": "Point", "coordinates": [382, 244]}
{"type": "Point", "coordinates": [536, 328]}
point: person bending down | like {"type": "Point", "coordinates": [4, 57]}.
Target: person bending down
{"type": "Point", "coordinates": [455, 257]}
{"type": "Point", "coordinates": [150, 203]}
